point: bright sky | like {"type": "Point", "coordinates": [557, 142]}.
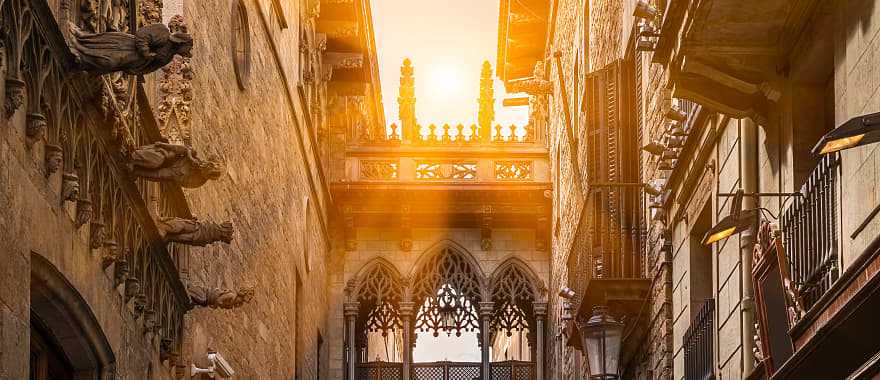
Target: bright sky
{"type": "Point", "coordinates": [447, 42]}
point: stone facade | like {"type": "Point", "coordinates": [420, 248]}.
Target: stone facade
{"type": "Point", "coordinates": [759, 143]}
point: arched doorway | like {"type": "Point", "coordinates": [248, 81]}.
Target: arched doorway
{"type": "Point", "coordinates": [66, 340]}
{"type": "Point", "coordinates": [446, 294]}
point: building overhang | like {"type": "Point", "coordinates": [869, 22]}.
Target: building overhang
{"type": "Point", "coordinates": [350, 57]}
{"type": "Point", "coordinates": [727, 54]}
{"type": "Point", "coordinates": [522, 37]}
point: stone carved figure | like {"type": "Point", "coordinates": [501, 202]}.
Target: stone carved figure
{"type": "Point", "coordinates": [194, 231]}
{"type": "Point", "coordinates": [163, 162]}
{"type": "Point", "coordinates": [148, 50]}
{"type": "Point", "coordinates": [219, 298]}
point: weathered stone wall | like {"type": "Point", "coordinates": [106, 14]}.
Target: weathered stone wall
{"type": "Point", "coordinates": [280, 242]}
{"type": "Point", "coordinates": [32, 222]}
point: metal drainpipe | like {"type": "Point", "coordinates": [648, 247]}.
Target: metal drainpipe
{"type": "Point", "coordinates": [749, 170]}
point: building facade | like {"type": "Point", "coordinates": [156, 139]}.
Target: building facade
{"type": "Point", "coordinates": [719, 97]}
{"type": "Point", "coordinates": [165, 184]}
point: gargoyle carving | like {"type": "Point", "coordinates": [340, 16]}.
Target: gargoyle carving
{"type": "Point", "coordinates": [219, 298]}
{"type": "Point", "coordinates": [163, 162]}
{"type": "Point", "coordinates": [150, 48]}
{"type": "Point", "coordinates": [194, 231]}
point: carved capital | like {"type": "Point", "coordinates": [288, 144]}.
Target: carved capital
{"type": "Point", "coordinates": [15, 93]}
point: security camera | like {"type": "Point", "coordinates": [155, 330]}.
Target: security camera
{"type": "Point", "coordinates": [566, 292]}
{"type": "Point", "coordinates": [217, 366]}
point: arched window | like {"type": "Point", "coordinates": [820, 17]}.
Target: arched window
{"type": "Point", "coordinates": [241, 43]}
{"type": "Point", "coordinates": [448, 291]}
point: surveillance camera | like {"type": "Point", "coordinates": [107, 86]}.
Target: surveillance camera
{"type": "Point", "coordinates": [218, 366]}
{"type": "Point", "coordinates": [566, 292]}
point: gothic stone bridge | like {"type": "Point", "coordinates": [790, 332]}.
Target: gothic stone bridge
{"type": "Point", "coordinates": [446, 231]}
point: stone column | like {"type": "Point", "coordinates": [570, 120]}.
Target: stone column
{"type": "Point", "coordinates": [351, 312]}
{"type": "Point", "coordinates": [406, 316]}
{"type": "Point", "coordinates": [486, 309]}
{"type": "Point", "coordinates": [540, 318]}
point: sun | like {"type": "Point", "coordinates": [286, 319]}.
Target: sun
{"type": "Point", "coordinates": [445, 80]}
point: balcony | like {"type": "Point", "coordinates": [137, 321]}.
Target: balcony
{"type": "Point", "coordinates": [698, 344]}
{"type": "Point", "coordinates": [809, 228]}
{"type": "Point", "coordinates": [445, 370]}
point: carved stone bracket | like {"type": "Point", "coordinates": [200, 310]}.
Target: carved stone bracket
{"type": "Point", "coordinates": [194, 232]}
{"type": "Point", "coordinates": [163, 162]}
{"type": "Point", "coordinates": [215, 298]}
{"type": "Point", "coordinates": [176, 95]}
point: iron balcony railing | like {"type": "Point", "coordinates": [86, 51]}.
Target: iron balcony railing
{"type": "Point", "coordinates": [446, 370]}
{"type": "Point", "coordinates": [809, 227]}
{"type": "Point", "coordinates": [697, 344]}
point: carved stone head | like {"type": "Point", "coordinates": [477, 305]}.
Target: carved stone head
{"type": "Point", "coordinates": [36, 126]}
{"type": "Point", "coordinates": [69, 187]}
{"type": "Point", "coordinates": [54, 158]}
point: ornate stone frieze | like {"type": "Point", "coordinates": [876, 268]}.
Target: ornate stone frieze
{"type": "Point", "coordinates": [219, 298]}
{"type": "Point", "coordinates": [194, 232]}
{"type": "Point", "coordinates": [378, 169]}
{"type": "Point", "coordinates": [163, 162]}
{"type": "Point", "coordinates": [176, 95]}
{"type": "Point", "coordinates": [148, 50]}
{"type": "Point", "coordinates": [151, 12]}
{"type": "Point", "coordinates": [513, 170]}
{"type": "Point", "coordinates": [437, 170]}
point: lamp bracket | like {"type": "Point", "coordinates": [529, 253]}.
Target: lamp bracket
{"type": "Point", "coordinates": [758, 195]}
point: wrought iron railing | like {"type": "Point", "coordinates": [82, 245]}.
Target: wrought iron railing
{"type": "Point", "coordinates": [512, 370]}
{"type": "Point", "coordinates": [698, 343]}
{"type": "Point", "coordinates": [809, 227]}
{"type": "Point", "coordinates": [446, 370]}
{"type": "Point", "coordinates": [379, 371]}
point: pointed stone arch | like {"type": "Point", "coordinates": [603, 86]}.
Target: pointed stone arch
{"type": "Point", "coordinates": [447, 287]}
{"type": "Point", "coordinates": [378, 289]}
{"type": "Point", "coordinates": [514, 289]}
{"type": "Point", "coordinates": [60, 311]}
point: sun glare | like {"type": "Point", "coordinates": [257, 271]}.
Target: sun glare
{"type": "Point", "coordinates": [446, 81]}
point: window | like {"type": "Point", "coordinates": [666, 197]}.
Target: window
{"type": "Point", "coordinates": [241, 44]}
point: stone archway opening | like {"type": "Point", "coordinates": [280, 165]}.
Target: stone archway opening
{"type": "Point", "coordinates": [446, 322]}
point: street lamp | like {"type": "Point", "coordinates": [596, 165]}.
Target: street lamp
{"type": "Point", "coordinates": [860, 130]}
{"type": "Point", "coordinates": [601, 338]}
{"type": "Point", "coordinates": [738, 220]}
